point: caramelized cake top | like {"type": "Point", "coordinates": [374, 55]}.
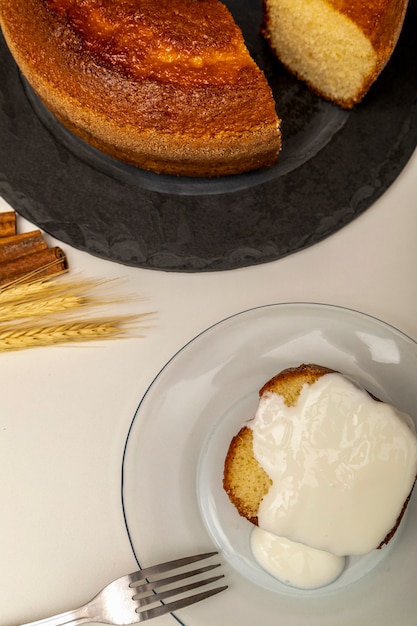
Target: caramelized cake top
{"type": "Point", "coordinates": [189, 42]}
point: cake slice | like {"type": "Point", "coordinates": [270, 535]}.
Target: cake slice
{"type": "Point", "coordinates": [166, 85]}
{"type": "Point", "coordinates": [338, 47]}
{"type": "Point", "coordinates": [323, 463]}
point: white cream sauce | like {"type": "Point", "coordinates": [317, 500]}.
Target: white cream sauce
{"type": "Point", "coordinates": [294, 563]}
{"type": "Point", "coordinates": [342, 465]}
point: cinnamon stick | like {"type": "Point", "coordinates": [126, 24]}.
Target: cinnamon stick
{"type": "Point", "coordinates": [7, 224]}
{"type": "Point", "coordinates": [45, 263]}
{"type": "Point", "coordinates": [15, 246]}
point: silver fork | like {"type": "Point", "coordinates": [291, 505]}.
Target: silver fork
{"type": "Point", "coordinates": [129, 599]}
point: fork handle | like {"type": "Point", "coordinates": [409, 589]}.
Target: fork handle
{"type": "Point", "coordinates": [69, 618]}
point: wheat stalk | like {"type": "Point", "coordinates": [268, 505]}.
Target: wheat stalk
{"type": "Point", "coordinates": [45, 287]}
{"type": "Point", "coordinates": [19, 337]}
{"type": "Point", "coordinates": [47, 306]}
{"type": "Point", "coordinates": [43, 297]}
{"type": "Point", "coordinates": [37, 288]}
{"type": "Point", "coordinates": [30, 308]}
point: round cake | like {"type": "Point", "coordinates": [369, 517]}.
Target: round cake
{"type": "Point", "coordinates": [167, 86]}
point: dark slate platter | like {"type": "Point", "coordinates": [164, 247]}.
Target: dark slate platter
{"type": "Point", "coordinates": [333, 166]}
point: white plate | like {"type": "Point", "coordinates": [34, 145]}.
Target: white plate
{"type": "Point", "coordinates": [172, 468]}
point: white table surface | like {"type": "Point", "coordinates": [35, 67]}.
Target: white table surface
{"type": "Point", "coordinates": [65, 411]}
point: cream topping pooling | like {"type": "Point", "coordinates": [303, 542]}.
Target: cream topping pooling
{"type": "Point", "coordinates": [342, 465]}
{"type": "Point", "coordinates": [294, 563]}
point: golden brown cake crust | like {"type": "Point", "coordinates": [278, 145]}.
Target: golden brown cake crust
{"type": "Point", "coordinates": [380, 20]}
{"type": "Point", "coordinates": [164, 85]}
{"type": "Point", "coordinates": [240, 460]}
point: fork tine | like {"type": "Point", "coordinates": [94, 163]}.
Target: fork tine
{"type": "Point", "coordinates": [141, 587]}
{"type": "Point", "coordinates": [165, 567]}
{"type": "Point", "coordinates": [178, 604]}
{"type": "Point", "coordinates": [170, 593]}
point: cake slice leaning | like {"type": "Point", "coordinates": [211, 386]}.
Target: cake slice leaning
{"type": "Point", "coordinates": [338, 47]}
